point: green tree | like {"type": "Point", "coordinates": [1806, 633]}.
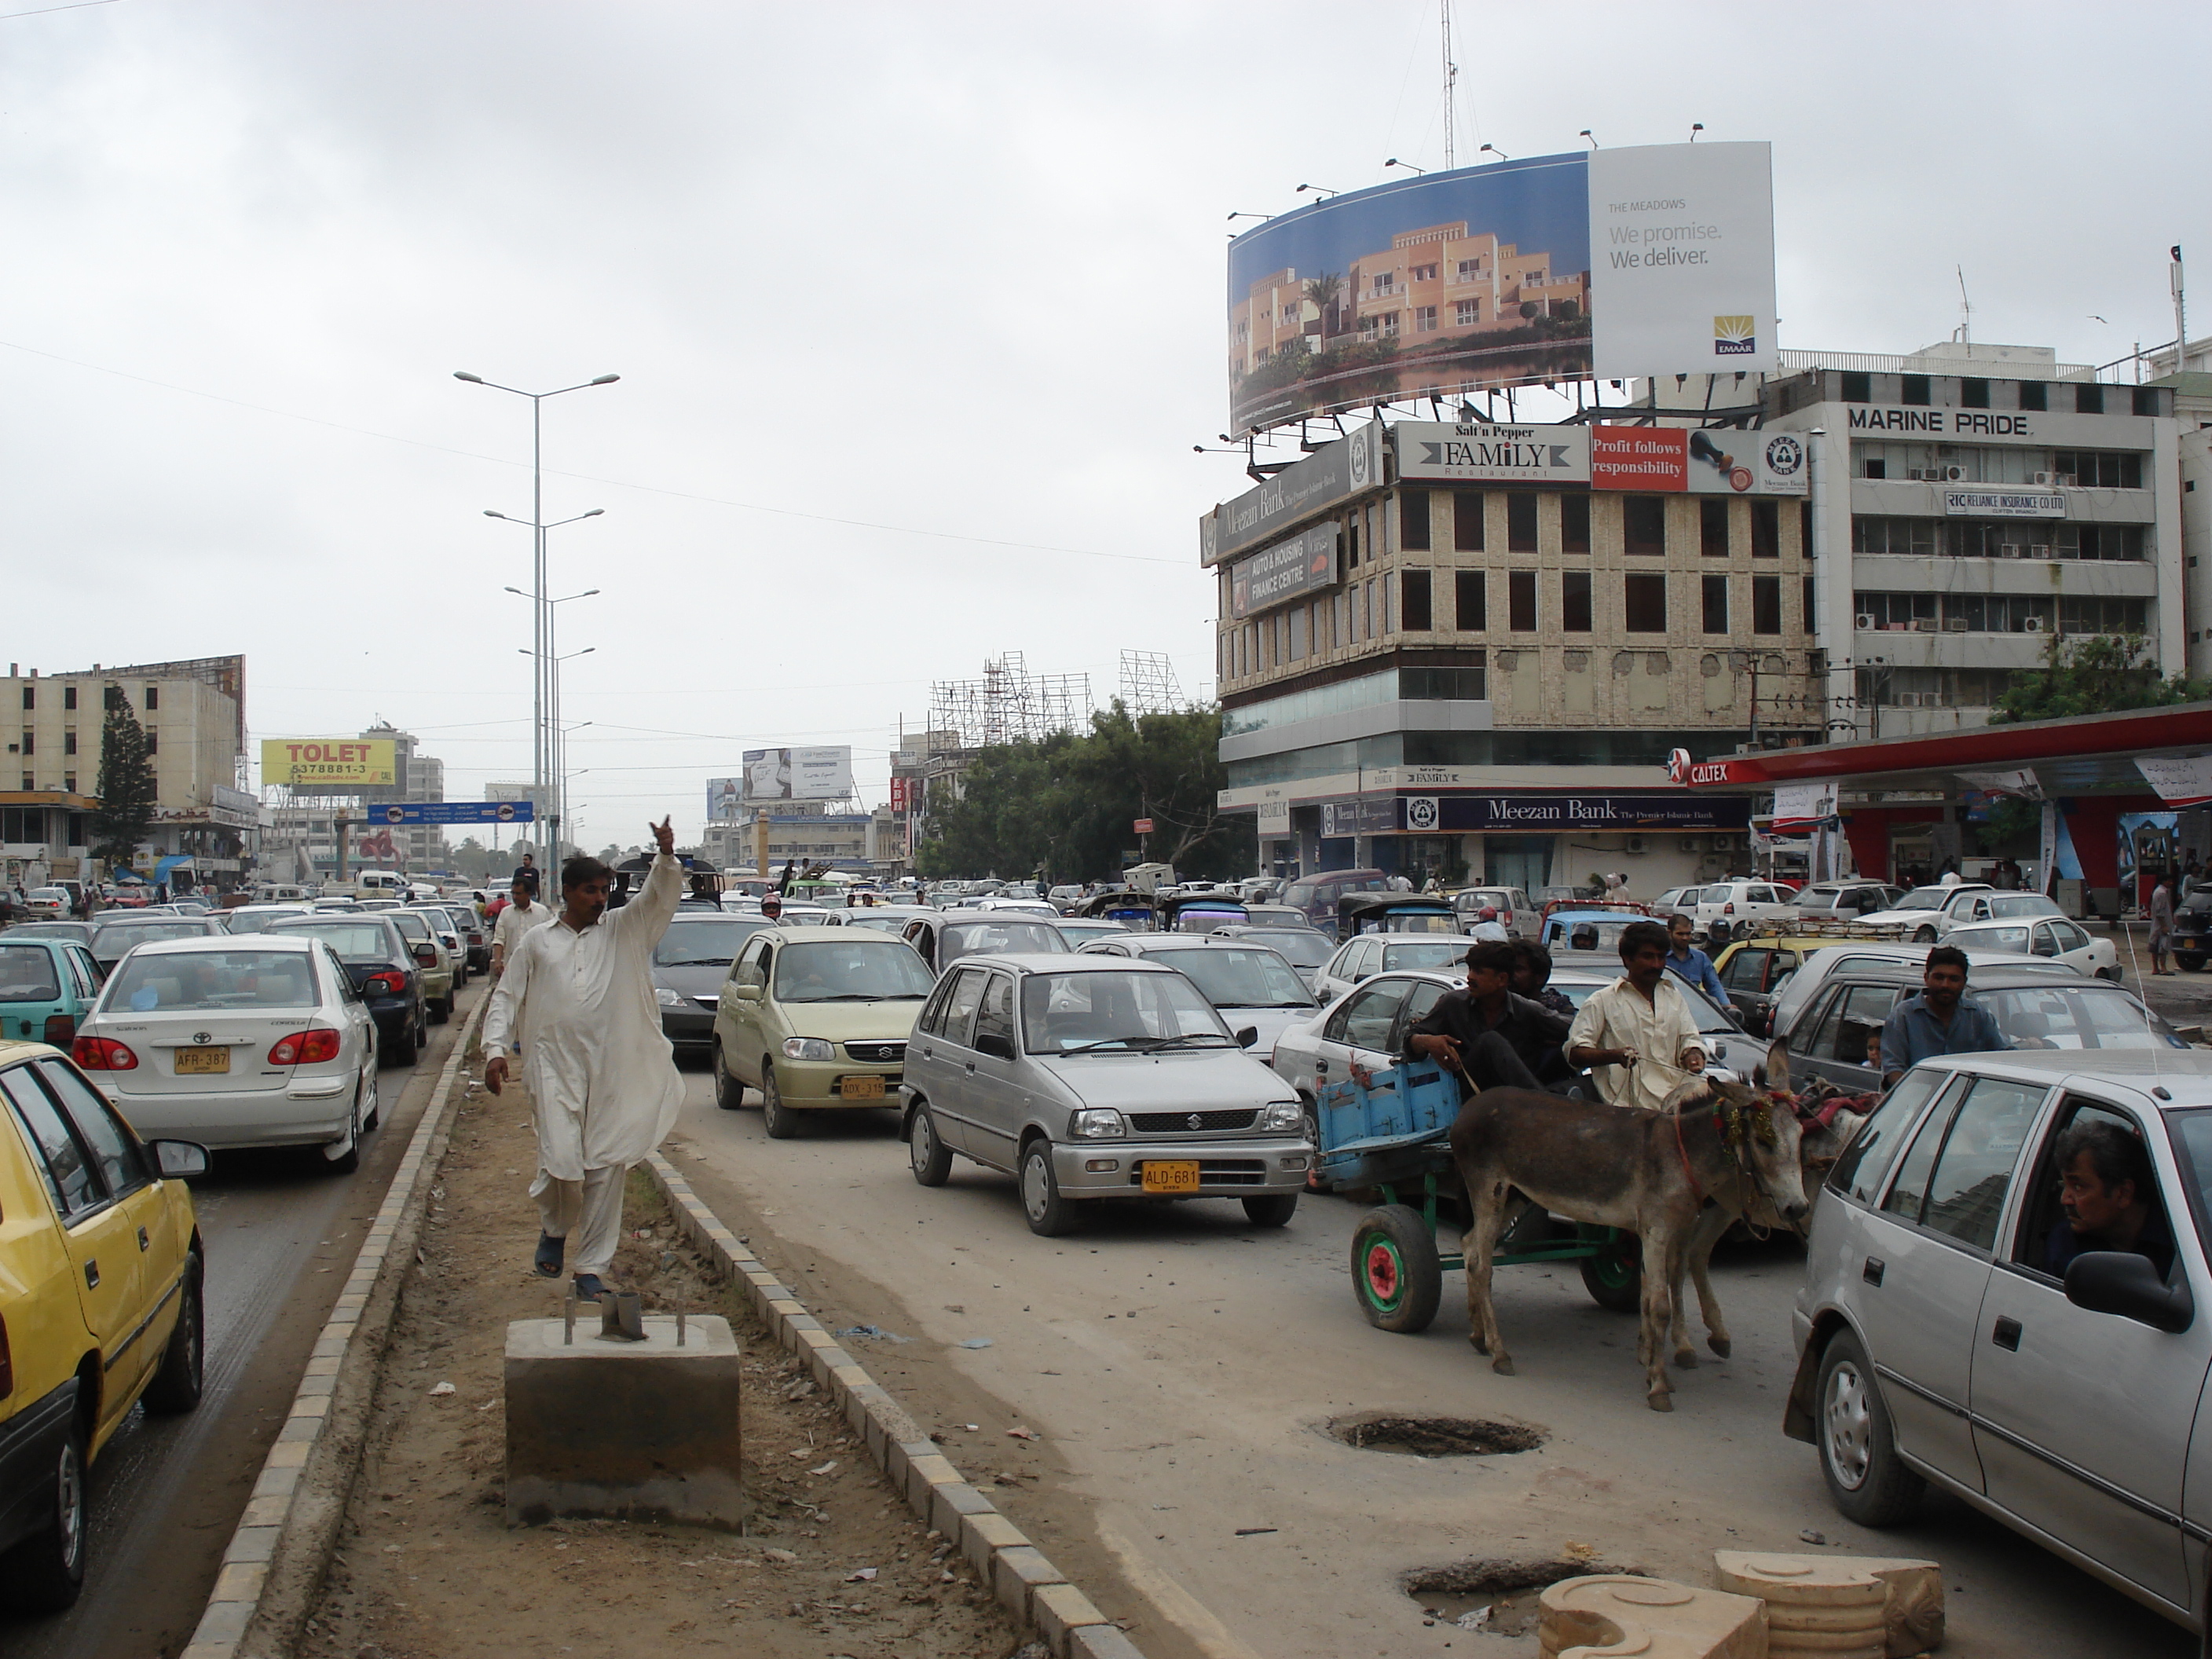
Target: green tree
{"type": "Point", "coordinates": [1323, 293]}
{"type": "Point", "coordinates": [127, 792]}
{"type": "Point", "coordinates": [2095, 674]}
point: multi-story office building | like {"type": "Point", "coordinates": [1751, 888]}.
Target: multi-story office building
{"type": "Point", "coordinates": [418, 778]}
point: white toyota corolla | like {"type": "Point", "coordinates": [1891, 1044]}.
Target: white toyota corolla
{"type": "Point", "coordinates": [258, 1041]}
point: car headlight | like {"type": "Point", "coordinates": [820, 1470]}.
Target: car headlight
{"type": "Point", "coordinates": [808, 1048]}
{"type": "Point", "coordinates": [1097, 1123]}
{"type": "Point", "coordinates": [1283, 1115]}
{"type": "Point", "coordinates": [666, 998]}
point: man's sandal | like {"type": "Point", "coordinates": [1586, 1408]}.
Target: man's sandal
{"type": "Point", "coordinates": [588, 1287]}
{"type": "Point", "coordinates": [549, 1252]}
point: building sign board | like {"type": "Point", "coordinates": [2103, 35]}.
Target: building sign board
{"type": "Point", "coordinates": [1596, 812]}
{"type": "Point", "coordinates": [1332, 473]}
{"type": "Point", "coordinates": [1985, 503]}
{"type": "Point", "coordinates": [823, 772]}
{"type": "Point", "coordinates": [1275, 816]}
{"type": "Point", "coordinates": [312, 762]}
{"type": "Point", "coordinates": [1434, 451]}
{"type": "Point", "coordinates": [451, 811]}
{"type": "Point", "coordinates": [1276, 575]}
{"type": "Point", "coordinates": [1370, 815]}
{"type": "Point", "coordinates": [2180, 782]}
{"type": "Point", "coordinates": [1706, 463]}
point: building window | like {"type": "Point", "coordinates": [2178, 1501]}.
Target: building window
{"type": "Point", "coordinates": [1422, 274]}
{"type": "Point", "coordinates": [1574, 524]}
{"type": "Point", "coordinates": [1352, 541]}
{"type": "Point", "coordinates": [1973, 394]}
{"type": "Point", "coordinates": [1712, 527]}
{"type": "Point", "coordinates": [152, 741]}
{"type": "Point", "coordinates": [1520, 522]}
{"type": "Point", "coordinates": [1425, 320]}
{"type": "Point", "coordinates": [26, 780]}
{"type": "Point", "coordinates": [27, 748]}
{"type": "Point", "coordinates": [1767, 604]}
{"type": "Point", "coordinates": [30, 697]}
{"type": "Point", "coordinates": [1467, 520]}
{"type": "Point", "coordinates": [1913, 389]}
{"type": "Point", "coordinates": [111, 698]}
{"type": "Point", "coordinates": [2146, 400]}
{"type": "Point", "coordinates": [1414, 519]}
{"type": "Point", "coordinates": [68, 782]}
{"type": "Point", "coordinates": [68, 696]}
{"type": "Point", "coordinates": [1574, 601]}
{"type": "Point", "coordinates": [1521, 601]}
{"type": "Point", "coordinates": [1472, 601]}
{"type": "Point", "coordinates": [1643, 523]}
{"type": "Point", "coordinates": [1809, 627]}
{"type": "Point", "coordinates": [2088, 399]}
{"type": "Point", "coordinates": [1805, 528]}
{"type": "Point", "coordinates": [1414, 601]}
{"type": "Point", "coordinates": [1467, 313]}
{"type": "Point", "coordinates": [1716, 594]}
{"type": "Point", "coordinates": [2098, 468]}
{"type": "Point", "coordinates": [1857, 387]}
{"type": "Point", "coordinates": [1766, 530]}
{"type": "Point", "coordinates": [153, 698]}
{"type": "Point", "coordinates": [1645, 596]}
{"type": "Point", "coordinates": [2033, 394]}
{"type": "Point", "coordinates": [68, 743]}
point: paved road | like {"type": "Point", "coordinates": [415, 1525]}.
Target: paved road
{"type": "Point", "coordinates": [280, 1236]}
{"type": "Point", "coordinates": [1181, 1365]}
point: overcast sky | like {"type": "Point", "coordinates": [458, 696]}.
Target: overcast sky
{"type": "Point", "coordinates": [918, 310]}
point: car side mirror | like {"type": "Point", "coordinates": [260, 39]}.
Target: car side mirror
{"type": "Point", "coordinates": [180, 1160]}
{"type": "Point", "coordinates": [996, 1044]}
{"type": "Point", "coordinates": [1248, 1035]}
{"type": "Point", "coordinates": [427, 955]}
{"type": "Point", "coordinates": [2121, 1282]}
{"type": "Point", "coordinates": [746, 993]}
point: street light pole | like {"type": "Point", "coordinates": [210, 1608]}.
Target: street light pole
{"type": "Point", "coordinates": [541, 618]}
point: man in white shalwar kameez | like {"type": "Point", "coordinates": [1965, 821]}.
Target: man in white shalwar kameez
{"type": "Point", "coordinates": [603, 1078]}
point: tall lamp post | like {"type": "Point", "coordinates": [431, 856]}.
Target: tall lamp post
{"type": "Point", "coordinates": [541, 619]}
{"type": "Point", "coordinates": [552, 672]}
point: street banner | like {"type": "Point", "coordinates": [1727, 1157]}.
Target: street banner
{"type": "Point", "coordinates": [451, 811]}
{"type": "Point", "coordinates": [2021, 781]}
{"type": "Point", "coordinates": [2186, 782]}
{"type": "Point", "coordinates": [1799, 807]}
{"type": "Point", "coordinates": [324, 762]}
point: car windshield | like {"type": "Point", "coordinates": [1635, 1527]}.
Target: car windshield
{"type": "Point", "coordinates": [354, 941]}
{"type": "Point", "coordinates": [1000, 936]}
{"type": "Point", "coordinates": [257, 922]}
{"type": "Point", "coordinates": [79, 931]}
{"type": "Point", "coordinates": [1241, 977]}
{"type": "Point", "coordinates": [2023, 904]}
{"type": "Point", "coordinates": [1426, 953]}
{"type": "Point", "coordinates": [709, 943]}
{"type": "Point", "coordinates": [881, 924]}
{"type": "Point", "coordinates": [1588, 935]}
{"type": "Point", "coordinates": [1418, 922]}
{"type": "Point", "coordinates": [1925, 899]}
{"type": "Point", "coordinates": [2083, 1015]}
{"type": "Point", "coordinates": [1117, 1012]}
{"type": "Point", "coordinates": [27, 975]}
{"type": "Point", "coordinates": [862, 969]}
{"type": "Point", "coordinates": [410, 925]}
{"type": "Point", "coordinates": [1202, 920]}
{"type": "Point", "coordinates": [111, 942]}
{"type": "Point", "coordinates": [1304, 947]}
{"type": "Point", "coordinates": [1995, 939]}
{"type": "Point", "coordinates": [186, 980]}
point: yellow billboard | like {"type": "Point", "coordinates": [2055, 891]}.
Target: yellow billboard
{"type": "Point", "coordinates": [342, 762]}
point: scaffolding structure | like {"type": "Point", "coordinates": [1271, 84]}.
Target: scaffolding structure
{"type": "Point", "coordinates": [1148, 685]}
{"type": "Point", "coordinates": [1009, 704]}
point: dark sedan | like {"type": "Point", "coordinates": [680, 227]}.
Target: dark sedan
{"type": "Point", "coordinates": [384, 968]}
{"type": "Point", "coordinates": [689, 966]}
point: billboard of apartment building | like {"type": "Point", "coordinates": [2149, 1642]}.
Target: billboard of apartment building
{"type": "Point", "coordinates": [1642, 261]}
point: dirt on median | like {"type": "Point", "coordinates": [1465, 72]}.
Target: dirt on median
{"type": "Point", "coordinates": [426, 1566]}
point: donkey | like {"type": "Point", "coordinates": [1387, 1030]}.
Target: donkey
{"type": "Point", "coordinates": [1648, 1173]}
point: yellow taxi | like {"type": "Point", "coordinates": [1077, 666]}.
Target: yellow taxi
{"type": "Point", "coordinates": [99, 1306]}
{"type": "Point", "coordinates": [1753, 969]}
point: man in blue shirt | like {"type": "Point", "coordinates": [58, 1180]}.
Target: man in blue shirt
{"type": "Point", "coordinates": [1687, 962]}
{"type": "Point", "coordinates": [1941, 1020]}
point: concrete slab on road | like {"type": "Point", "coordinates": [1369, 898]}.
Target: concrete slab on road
{"type": "Point", "coordinates": [1182, 1367]}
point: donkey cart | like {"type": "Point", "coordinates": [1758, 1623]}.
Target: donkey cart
{"type": "Point", "coordinates": [1386, 1132]}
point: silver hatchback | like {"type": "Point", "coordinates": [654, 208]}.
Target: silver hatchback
{"type": "Point", "coordinates": [1094, 1076]}
{"type": "Point", "coordinates": [2041, 1351]}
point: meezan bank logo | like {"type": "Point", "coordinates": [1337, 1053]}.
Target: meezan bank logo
{"type": "Point", "coordinates": [1735, 336]}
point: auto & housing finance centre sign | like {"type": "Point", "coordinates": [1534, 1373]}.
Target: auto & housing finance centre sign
{"type": "Point", "coordinates": [1332, 473]}
{"type": "Point", "coordinates": [329, 763]}
{"type": "Point", "coordinates": [1278, 574]}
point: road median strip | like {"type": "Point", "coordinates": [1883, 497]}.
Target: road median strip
{"type": "Point", "coordinates": [1019, 1575]}
{"type": "Point", "coordinates": [283, 1540]}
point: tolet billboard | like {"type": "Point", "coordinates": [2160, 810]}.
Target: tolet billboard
{"type": "Point", "coordinates": [337, 763]}
{"type": "Point", "coordinates": [1656, 259]}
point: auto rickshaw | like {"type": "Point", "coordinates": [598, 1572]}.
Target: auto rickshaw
{"type": "Point", "coordinates": [1394, 912]}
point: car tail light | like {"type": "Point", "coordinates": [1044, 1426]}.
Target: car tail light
{"type": "Point", "coordinates": [384, 985]}
{"type": "Point", "coordinates": [61, 1029]}
{"type": "Point", "coordinates": [99, 1053]}
{"type": "Point", "coordinates": [304, 1049]}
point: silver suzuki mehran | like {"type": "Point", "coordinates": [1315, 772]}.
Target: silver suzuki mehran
{"type": "Point", "coordinates": [1092, 1077]}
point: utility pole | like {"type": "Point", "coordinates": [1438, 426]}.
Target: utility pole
{"type": "Point", "coordinates": [1451, 81]}
{"type": "Point", "coordinates": [2180, 315]}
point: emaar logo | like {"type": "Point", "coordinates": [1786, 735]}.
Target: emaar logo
{"type": "Point", "coordinates": [1735, 336]}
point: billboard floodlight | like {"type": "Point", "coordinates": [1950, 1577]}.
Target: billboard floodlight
{"type": "Point", "coordinates": [1323, 189]}
{"type": "Point", "coordinates": [1696, 127]}
{"type": "Point", "coordinates": [1585, 133]}
{"type": "Point", "coordinates": [1493, 150]}
{"type": "Point", "coordinates": [1251, 215]}
{"type": "Point", "coordinates": [1394, 162]}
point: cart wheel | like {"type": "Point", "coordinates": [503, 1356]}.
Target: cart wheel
{"type": "Point", "coordinates": [1394, 1270]}
{"type": "Point", "coordinates": [1615, 1276]}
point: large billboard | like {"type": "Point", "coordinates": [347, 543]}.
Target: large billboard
{"type": "Point", "coordinates": [1637, 458]}
{"type": "Point", "coordinates": [338, 763]}
{"type": "Point", "coordinates": [818, 773]}
{"type": "Point", "coordinates": [1644, 261]}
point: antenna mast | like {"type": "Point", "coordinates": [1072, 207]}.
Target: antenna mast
{"type": "Point", "coordinates": [1965, 309]}
{"type": "Point", "coordinates": [1451, 80]}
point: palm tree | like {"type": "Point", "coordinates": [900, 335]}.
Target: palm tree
{"type": "Point", "coordinates": [1322, 292]}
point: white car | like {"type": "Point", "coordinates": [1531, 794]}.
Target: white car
{"type": "Point", "coordinates": [1360, 959]}
{"type": "Point", "coordinates": [1675, 898]}
{"type": "Point", "coordinates": [253, 1041]}
{"type": "Point", "coordinates": [1926, 913]}
{"type": "Point", "coordinates": [1514, 913]}
{"type": "Point", "coordinates": [2055, 938]}
{"type": "Point", "coordinates": [1034, 907]}
{"type": "Point", "coordinates": [1742, 907]}
{"type": "Point", "coordinates": [48, 901]}
{"type": "Point", "coordinates": [1795, 988]}
{"type": "Point", "coordinates": [1250, 984]}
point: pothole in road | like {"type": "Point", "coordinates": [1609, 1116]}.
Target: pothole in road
{"type": "Point", "coordinates": [1434, 1436]}
{"type": "Point", "coordinates": [1497, 1597]}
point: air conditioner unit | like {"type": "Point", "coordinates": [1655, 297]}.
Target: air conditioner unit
{"type": "Point", "coordinates": [1687, 844]}
{"type": "Point", "coordinates": [1921, 474]}
{"type": "Point", "coordinates": [2038, 549]}
{"type": "Point", "coordinates": [1636, 843]}
{"type": "Point", "coordinates": [2066, 478]}
{"type": "Point", "coordinates": [2046, 478]}
{"type": "Point", "coordinates": [2008, 550]}
{"type": "Point", "coordinates": [1954, 475]}
{"type": "Point", "coordinates": [2037, 625]}
{"type": "Point", "coordinates": [1866, 619]}
{"type": "Point", "coordinates": [1724, 844]}
{"type": "Point", "coordinates": [1816, 662]}
{"type": "Point", "coordinates": [1955, 625]}
{"type": "Point", "coordinates": [1926, 625]}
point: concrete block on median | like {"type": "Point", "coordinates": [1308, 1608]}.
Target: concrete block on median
{"type": "Point", "coordinates": [1100, 1642]}
{"type": "Point", "coordinates": [1846, 1605]}
{"type": "Point", "coordinates": [1058, 1611]}
{"type": "Point", "coordinates": [1650, 1617]}
{"type": "Point", "coordinates": [1018, 1574]}
{"type": "Point", "coordinates": [624, 1430]}
{"type": "Point", "coordinates": [952, 1502]}
{"type": "Point", "coordinates": [982, 1536]}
